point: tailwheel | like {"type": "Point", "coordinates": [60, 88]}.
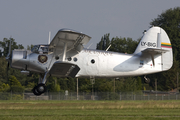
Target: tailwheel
{"type": "Point", "coordinates": [39, 89]}
{"type": "Point", "coordinates": [147, 80]}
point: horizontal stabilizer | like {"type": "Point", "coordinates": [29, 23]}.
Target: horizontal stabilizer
{"type": "Point", "coordinates": [154, 50]}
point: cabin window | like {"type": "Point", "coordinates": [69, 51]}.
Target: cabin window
{"type": "Point", "coordinates": [69, 58]}
{"type": "Point", "coordinates": [57, 57]}
{"type": "Point", "coordinates": [75, 59]}
{"type": "Point", "coordinates": [92, 61]}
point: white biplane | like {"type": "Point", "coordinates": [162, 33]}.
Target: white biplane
{"type": "Point", "coordinates": [65, 56]}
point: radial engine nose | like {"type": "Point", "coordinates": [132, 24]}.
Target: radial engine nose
{"type": "Point", "coordinates": [19, 59]}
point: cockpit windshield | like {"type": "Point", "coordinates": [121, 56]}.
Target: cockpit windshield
{"type": "Point", "coordinates": [42, 49]}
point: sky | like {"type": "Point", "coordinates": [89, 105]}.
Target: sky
{"type": "Point", "coordinates": [29, 21]}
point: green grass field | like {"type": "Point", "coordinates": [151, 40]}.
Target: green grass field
{"type": "Point", "coordinates": [90, 110]}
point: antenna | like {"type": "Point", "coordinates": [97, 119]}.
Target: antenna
{"type": "Point", "coordinates": [49, 37]}
{"type": "Point", "coordinates": [89, 46]}
{"type": "Point", "coordinates": [108, 47]}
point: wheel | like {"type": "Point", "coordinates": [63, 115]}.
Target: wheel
{"type": "Point", "coordinates": [41, 88]}
{"type": "Point", "coordinates": [35, 91]}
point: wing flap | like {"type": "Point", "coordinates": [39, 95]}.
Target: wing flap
{"type": "Point", "coordinates": [64, 69]}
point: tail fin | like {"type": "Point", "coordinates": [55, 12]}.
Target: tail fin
{"type": "Point", "coordinates": [156, 38]}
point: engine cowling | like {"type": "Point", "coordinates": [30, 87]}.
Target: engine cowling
{"type": "Point", "coordinates": [19, 59]}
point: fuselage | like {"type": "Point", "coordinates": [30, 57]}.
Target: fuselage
{"type": "Point", "coordinates": [92, 63]}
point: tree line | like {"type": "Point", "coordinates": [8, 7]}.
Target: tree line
{"type": "Point", "coordinates": [12, 80]}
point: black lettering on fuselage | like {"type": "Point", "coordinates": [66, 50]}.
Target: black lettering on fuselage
{"type": "Point", "coordinates": [148, 44]}
{"type": "Point", "coordinates": [98, 52]}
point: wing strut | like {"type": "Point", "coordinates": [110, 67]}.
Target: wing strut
{"type": "Point", "coordinates": [43, 79]}
{"type": "Point", "coordinates": [64, 51]}
{"type": "Point", "coordinates": [78, 40]}
{"type": "Point", "coordinates": [152, 57]}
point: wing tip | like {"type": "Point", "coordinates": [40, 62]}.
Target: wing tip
{"type": "Point", "coordinates": [68, 30]}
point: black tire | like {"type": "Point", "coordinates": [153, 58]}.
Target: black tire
{"type": "Point", "coordinates": [34, 90]}
{"type": "Point", "coordinates": [41, 88]}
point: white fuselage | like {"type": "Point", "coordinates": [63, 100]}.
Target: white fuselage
{"type": "Point", "coordinates": [97, 63]}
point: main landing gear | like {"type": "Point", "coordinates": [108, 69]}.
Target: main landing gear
{"type": "Point", "coordinates": [41, 87]}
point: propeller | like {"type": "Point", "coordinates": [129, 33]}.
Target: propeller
{"type": "Point", "coordinates": [9, 59]}
{"type": "Point", "coordinates": [9, 52]}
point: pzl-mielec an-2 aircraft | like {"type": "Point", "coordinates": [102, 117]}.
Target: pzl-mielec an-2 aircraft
{"type": "Point", "coordinates": [66, 57]}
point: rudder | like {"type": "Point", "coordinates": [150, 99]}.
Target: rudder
{"type": "Point", "coordinates": [164, 43]}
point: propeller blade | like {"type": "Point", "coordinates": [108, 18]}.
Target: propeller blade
{"type": "Point", "coordinates": [7, 69]}
{"type": "Point", "coordinates": [9, 52]}
{"type": "Point", "coordinates": [8, 58]}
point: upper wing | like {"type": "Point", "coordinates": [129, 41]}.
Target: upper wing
{"type": "Point", "coordinates": [70, 39]}
{"type": "Point", "coordinates": [66, 43]}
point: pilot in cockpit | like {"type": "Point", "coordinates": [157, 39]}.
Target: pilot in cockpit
{"type": "Point", "coordinates": [41, 49]}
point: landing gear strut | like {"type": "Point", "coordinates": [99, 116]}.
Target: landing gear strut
{"type": "Point", "coordinates": [147, 80]}
{"type": "Point", "coordinates": [41, 87]}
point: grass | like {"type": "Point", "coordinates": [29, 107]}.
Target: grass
{"type": "Point", "coordinates": [90, 110]}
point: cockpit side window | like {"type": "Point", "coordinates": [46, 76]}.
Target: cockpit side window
{"type": "Point", "coordinates": [44, 49]}
{"type": "Point", "coordinates": [35, 49]}
{"type": "Point", "coordinates": [41, 49]}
